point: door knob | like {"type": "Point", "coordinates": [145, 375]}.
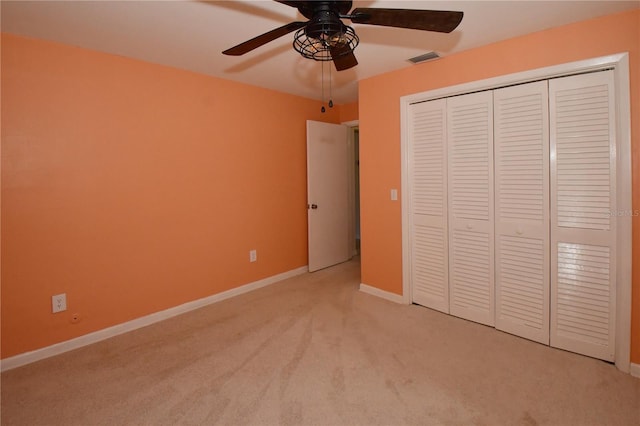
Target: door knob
{"type": "Point", "coordinates": [312, 206]}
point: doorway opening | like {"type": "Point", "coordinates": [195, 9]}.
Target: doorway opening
{"type": "Point", "coordinates": [333, 193]}
{"type": "Point", "coordinates": [354, 187]}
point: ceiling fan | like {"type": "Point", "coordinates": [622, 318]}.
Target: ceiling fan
{"type": "Point", "coordinates": [325, 38]}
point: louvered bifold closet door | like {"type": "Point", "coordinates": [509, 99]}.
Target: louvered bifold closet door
{"type": "Point", "coordinates": [583, 217]}
{"type": "Point", "coordinates": [470, 192]}
{"type": "Point", "coordinates": [521, 148]}
{"type": "Point", "coordinates": [428, 201]}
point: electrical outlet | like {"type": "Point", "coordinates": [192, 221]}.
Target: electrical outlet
{"type": "Point", "coordinates": [59, 303]}
{"type": "Point", "coordinates": [253, 255]}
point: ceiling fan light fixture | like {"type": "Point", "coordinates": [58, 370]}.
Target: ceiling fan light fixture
{"type": "Point", "coordinates": [337, 39]}
{"type": "Point", "coordinates": [318, 46]}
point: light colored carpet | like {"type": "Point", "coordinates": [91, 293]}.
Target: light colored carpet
{"type": "Point", "coordinates": [313, 350]}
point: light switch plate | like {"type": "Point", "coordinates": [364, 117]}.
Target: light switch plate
{"type": "Point", "coordinates": [59, 303]}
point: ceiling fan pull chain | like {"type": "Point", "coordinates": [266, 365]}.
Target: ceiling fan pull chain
{"type": "Point", "coordinates": [330, 93]}
{"type": "Point", "coordinates": [323, 109]}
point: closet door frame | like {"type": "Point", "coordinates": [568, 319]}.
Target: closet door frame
{"type": "Point", "coordinates": [619, 63]}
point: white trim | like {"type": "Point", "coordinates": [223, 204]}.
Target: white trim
{"type": "Point", "coordinates": [106, 333]}
{"type": "Point", "coordinates": [392, 297]}
{"type": "Point", "coordinates": [578, 67]}
{"type": "Point", "coordinates": [624, 223]}
{"type": "Point", "coordinates": [352, 123]}
{"type": "Point", "coordinates": [620, 64]}
{"type": "Point", "coordinates": [407, 265]}
{"type": "Point", "coordinates": [634, 370]}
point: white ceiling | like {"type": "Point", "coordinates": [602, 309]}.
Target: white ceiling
{"type": "Point", "coordinates": [192, 34]}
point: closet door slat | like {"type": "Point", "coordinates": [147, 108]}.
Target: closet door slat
{"type": "Point", "coordinates": [521, 148]}
{"type": "Point", "coordinates": [583, 220]}
{"type": "Point", "coordinates": [470, 192]}
{"type": "Point", "coordinates": [428, 201]}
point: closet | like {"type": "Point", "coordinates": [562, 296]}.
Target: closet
{"type": "Point", "coordinates": [510, 196]}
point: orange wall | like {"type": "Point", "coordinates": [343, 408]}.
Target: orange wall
{"type": "Point", "coordinates": [379, 100]}
{"type": "Point", "coordinates": [134, 187]}
{"type": "Point", "coordinates": [348, 112]}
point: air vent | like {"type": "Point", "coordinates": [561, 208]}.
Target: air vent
{"type": "Point", "coordinates": [425, 57]}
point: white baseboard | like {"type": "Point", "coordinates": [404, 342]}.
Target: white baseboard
{"type": "Point", "coordinates": [106, 333]}
{"type": "Point", "coordinates": [396, 298]}
{"type": "Point", "coordinates": [634, 370]}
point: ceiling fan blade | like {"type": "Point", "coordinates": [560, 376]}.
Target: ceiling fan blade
{"type": "Point", "coordinates": [343, 57]}
{"type": "Point", "coordinates": [265, 38]}
{"type": "Point", "coordinates": [295, 4]}
{"type": "Point", "coordinates": [304, 7]}
{"type": "Point", "coordinates": [428, 20]}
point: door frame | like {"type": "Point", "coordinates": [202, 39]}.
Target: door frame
{"type": "Point", "coordinates": [619, 63]}
{"type": "Point", "coordinates": [351, 170]}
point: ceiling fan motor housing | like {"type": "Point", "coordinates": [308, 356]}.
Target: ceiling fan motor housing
{"type": "Point", "coordinates": [325, 25]}
{"type": "Point", "coordinates": [308, 9]}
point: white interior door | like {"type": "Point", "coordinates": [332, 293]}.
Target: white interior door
{"type": "Point", "coordinates": [470, 197]}
{"type": "Point", "coordinates": [428, 204]}
{"type": "Point", "coordinates": [583, 216]}
{"type": "Point", "coordinates": [521, 147]}
{"type": "Point", "coordinates": [327, 194]}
